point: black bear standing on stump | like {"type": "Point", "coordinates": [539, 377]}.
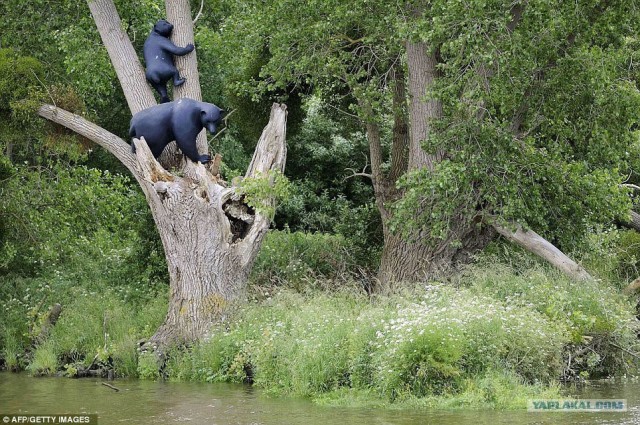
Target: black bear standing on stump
{"type": "Point", "coordinates": [158, 56]}
{"type": "Point", "coordinates": [181, 121]}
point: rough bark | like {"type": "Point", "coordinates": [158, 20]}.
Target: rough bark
{"type": "Point", "coordinates": [633, 222]}
{"type": "Point", "coordinates": [122, 54]}
{"type": "Point", "coordinates": [400, 132]}
{"type": "Point", "coordinates": [422, 66]}
{"type": "Point", "coordinates": [49, 322]}
{"type": "Point", "coordinates": [209, 248]}
{"type": "Point", "coordinates": [421, 258]}
{"type": "Point", "coordinates": [533, 242]}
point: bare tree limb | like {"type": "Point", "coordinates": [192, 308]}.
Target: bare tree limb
{"type": "Point", "coordinates": [634, 222]}
{"type": "Point", "coordinates": [354, 173]}
{"type": "Point", "coordinates": [123, 56]}
{"type": "Point", "coordinates": [270, 155]}
{"type": "Point", "coordinates": [630, 186]}
{"type": "Point", "coordinates": [532, 242]}
{"type": "Point", "coordinates": [199, 12]}
{"type": "Point", "coordinates": [114, 144]}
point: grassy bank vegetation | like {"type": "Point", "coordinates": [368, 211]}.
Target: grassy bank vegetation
{"type": "Point", "coordinates": [503, 330]}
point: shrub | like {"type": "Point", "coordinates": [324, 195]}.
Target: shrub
{"type": "Point", "coordinates": [596, 315]}
{"type": "Point", "coordinates": [301, 260]}
{"type": "Point", "coordinates": [100, 328]}
{"type": "Point", "coordinates": [431, 346]}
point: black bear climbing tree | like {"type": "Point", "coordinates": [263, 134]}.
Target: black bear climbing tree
{"type": "Point", "coordinates": [158, 57]}
{"type": "Point", "coordinates": [210, 236]}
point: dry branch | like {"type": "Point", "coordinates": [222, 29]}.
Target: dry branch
{"type": "Point", "coordinates": [93, 132]}
{"type": "Point", "coordinates": [532, 242]}
{"type": "Point", "coordinates": [122, 54]}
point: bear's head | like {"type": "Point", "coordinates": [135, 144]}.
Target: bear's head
{"type": "Point", "coordinates": [163, 28]}
{"type": "Point", "coordinates": [210, 116]}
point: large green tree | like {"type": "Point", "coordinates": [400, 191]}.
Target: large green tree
{"type": "Point", "coordinates": [484, 116]}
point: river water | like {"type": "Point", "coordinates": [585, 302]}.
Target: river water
{"type": "Point", "coordinates": [146, 402]}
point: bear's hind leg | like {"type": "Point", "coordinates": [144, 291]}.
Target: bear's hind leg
{"type": "Point", "coordinates": [177, 81]}
{"type": "Point", "coordinates": [161, 88]}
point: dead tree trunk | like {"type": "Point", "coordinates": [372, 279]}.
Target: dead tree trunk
{"type": "Point", "coordinates": [211, 237]}
{"type": "Point", "coordinates": [633, 222]}
{"type": "Point", "coordinates": [210, 247]}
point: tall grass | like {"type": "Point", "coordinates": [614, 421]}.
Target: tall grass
{"type": "Point", "coordinates": [395, 350]}
{"type": "Point", "coordinates": [103, 330]}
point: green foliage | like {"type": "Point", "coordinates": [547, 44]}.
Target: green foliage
{"type": "Point", "coordinates": [534, 118]}
{"type": "Point", "coordinates": [614, 255]}
{"type": "Point", "coordinates": [429, 346]}
{"type": "Point", "coordinates": [19, 75]}
{"type": "Point", "coordinates": [25, 136]}
{"type": "Point", "coordinates": [298, 260]}
{"type": "Point", "coordinates": [53, 214]}
{"type": "Point", "coordinates": [596, 315]}
{"type": "Point", "coordinates": [100, 328]}
{"type": "Point", "coordinates": [262, 191]}
{"type": "Point", "coordinates": [547, 140]}
{"type": "Point", "coordinates": [148, 366]}
{"type": "Point", "coordinates": [323, 198]}
{"type": "Point", "coordinates": [45, 361]}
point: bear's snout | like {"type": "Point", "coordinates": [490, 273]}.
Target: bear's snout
{"type": "Point", "coordinates": [212, 127]}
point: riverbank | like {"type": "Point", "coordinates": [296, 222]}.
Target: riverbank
{"type": "Point", "coordinates": [493, 338]}
{"type": "Point", "coordinates": [158, 402]}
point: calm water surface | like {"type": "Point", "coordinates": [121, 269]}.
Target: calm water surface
{"type": "Point", "coordinates": [144, 402]}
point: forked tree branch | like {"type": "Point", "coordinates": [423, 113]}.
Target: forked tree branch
{"type": "Point", "coordinates": [270, 155]}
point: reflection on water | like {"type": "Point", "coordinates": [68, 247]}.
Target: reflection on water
{"type": "Point", "coordinates": [144, 402]}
